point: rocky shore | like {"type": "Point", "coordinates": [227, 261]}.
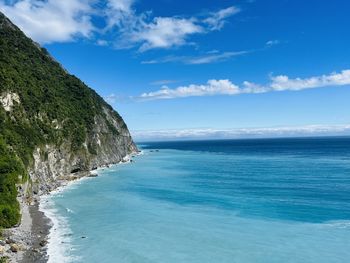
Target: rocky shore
{"type": "Point", "coordinates": [27, 243]}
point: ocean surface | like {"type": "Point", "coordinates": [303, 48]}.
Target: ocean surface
{"type": "Point", "coordinates": [261, 200]}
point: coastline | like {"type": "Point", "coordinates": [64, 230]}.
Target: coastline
{"type": "Point", "coordinates": [33, 235]}
{"type": "Point", "coordinates": [29, 237]}
{"type": "Point", "coordinates": [40, 229]}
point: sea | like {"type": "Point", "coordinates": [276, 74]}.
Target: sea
{"type": "Point", "coordinates": [245, 201]}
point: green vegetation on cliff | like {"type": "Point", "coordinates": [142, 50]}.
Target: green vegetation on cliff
{"type": "Point", "coordinates": [48, 96]}
{"type": "Point", "coordinates": [52, 106]}
{"type": "Point", "coordinates": [10, 170]}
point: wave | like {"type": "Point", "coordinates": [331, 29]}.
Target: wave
{"type": "Point", "coordinates": [59, 239]}
{"type": "Point", "coordinates": [337, 223]}
{"type": "Point", "coordinates": [59, 243]}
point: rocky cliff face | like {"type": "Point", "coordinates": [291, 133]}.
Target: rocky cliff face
{"type": "Point", "coordinates": [54, 163]}
{"type": "Point", "coordinates": [56, 125]}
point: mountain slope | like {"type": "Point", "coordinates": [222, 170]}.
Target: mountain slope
{"type": "Point", "coordinates": [51, 123]}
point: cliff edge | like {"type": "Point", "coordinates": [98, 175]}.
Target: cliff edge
{"type": "Point", "coordinates": [52, 126]}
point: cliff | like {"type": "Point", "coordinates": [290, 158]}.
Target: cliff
{"type": "Point", "coordinates": [52, 126]}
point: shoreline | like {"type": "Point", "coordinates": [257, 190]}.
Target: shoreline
{"type": "Point", "coordinates": [40, 228]}
{"type": "Point", "coordinates": [32, 235]}
{"type": "Point", "coordinates": [29, 237]}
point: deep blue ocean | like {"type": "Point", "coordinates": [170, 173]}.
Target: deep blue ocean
{"type": "Point", "coordinates": [245, 201]}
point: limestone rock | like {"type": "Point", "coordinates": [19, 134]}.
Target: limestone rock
{"type": "Point", "coordinates": [2, 250]}
{"type": "Point", "coordinates": [8, 100]}
{"type": "Point", "coordinates": [14, 248]}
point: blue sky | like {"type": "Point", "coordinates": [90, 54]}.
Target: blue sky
{"type": "Point", "coordinates": [183, 69]}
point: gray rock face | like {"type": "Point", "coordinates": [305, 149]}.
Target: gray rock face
{"type": "Point", "coordinates": [8, 99]}
{"type": "Point", "coordinates": [53, 164]}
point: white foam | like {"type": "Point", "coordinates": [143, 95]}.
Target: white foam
{"type": "Point", "coordinates": [140, 153]}
{"type": "Point", "coordinates": [338, 223]}
{"type": "Point", "coordinates": [69, 210]}
{"type": "Point", "coordinates": [59, 238]}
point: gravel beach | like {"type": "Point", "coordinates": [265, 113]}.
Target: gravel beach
{"type": "Point", "coordinates": [27, 242]}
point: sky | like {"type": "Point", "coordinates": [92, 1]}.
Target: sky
{"type": "Point", "coordinates": [204, 69]}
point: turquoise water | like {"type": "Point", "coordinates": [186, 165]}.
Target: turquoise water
{"type": "Point", "coordinates": [282, 200]}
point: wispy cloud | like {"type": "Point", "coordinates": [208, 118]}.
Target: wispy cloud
{"type": "Point", "coordinates": [163, 82]}
{"type": "Point", "coordinates": [121, 5]}
{"type": "Point", "coordinates": [271, 43]}
{"type": "Point", "coordinates": [309, 130]}
{"type": "Point", "coordinates": [216, 20]}
{"type": "Point", "coordinates": [211, 57]}
{"type": "Point", "coordinates": [102, 42]}
{"type": "Point", "coordinates": [226, 87]}
{"type": "Point", "coordinates": [111, 98]}
{"type": "Point", "coordinates": [145, 32]}
{"type": "Point", "coordinates": [51, 21]}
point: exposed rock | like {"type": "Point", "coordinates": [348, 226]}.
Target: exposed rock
{"type": "Point", "coordinates": [35, 250]}
{"type": "Point", "coordinates": [10, 241]}
{"type": "Point", "coordinates": [43, 243]}
{"type": "Point", "coordinates": [8, 99]}
{"type": "Point", "coordinates": [2, 250]}
{"type": "Point", "coordinates": [14, 248]}
{"type": "Point", "coordinates": [53, 164]}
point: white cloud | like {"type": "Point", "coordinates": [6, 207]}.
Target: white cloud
{"type": "Point", "coordinates": [111, 98]}
{"type": "Point", "coordinates": [272, 42]}
{"type": "Point", "coordinates": [163, 82]}
{"type": "Point", "coordinates": [63, 20]}
{"type": "Point", "coordinates": [213, 87]}
{"type": "Point", "coordinates": [211, 57]}
{"type": "Point", "coordinates": [226, 87]}
{"type": "Point", "coordinates": [166, 59]}
{"type": "Point", "coordinates": [51, 21]}
{"type": "Point", "coordinates": [121, 5]}
{"type": "Point", "coordinates": [119, 13]}
{"type": "Point", "coordinates": [102, 42]}
{"type": "Point", "coordinates": [165, 32]}
{"type": "Point", "coordinates": [309, 130]}
{"type": "Point", "coordinates": [145, 33]}
{"type": "Point", "coordinates": [216, 21]}
{"type": "Point", "coordinates": [282, 82]}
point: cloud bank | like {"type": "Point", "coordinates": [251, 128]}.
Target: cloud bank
{"type": "Point", "coordinates": [213, 87]}
{"type": "Point", "coordinates": [274, 132]}
{"type": "Point", "coordinates": [52, 20]}
{"type": "Point", "coordinates": [65, 20]}
{"type": "Point", "coordinates": [226, 87]}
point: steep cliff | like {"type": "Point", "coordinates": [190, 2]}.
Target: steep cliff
{"type": "Point", "coordinates": [51, 124]}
